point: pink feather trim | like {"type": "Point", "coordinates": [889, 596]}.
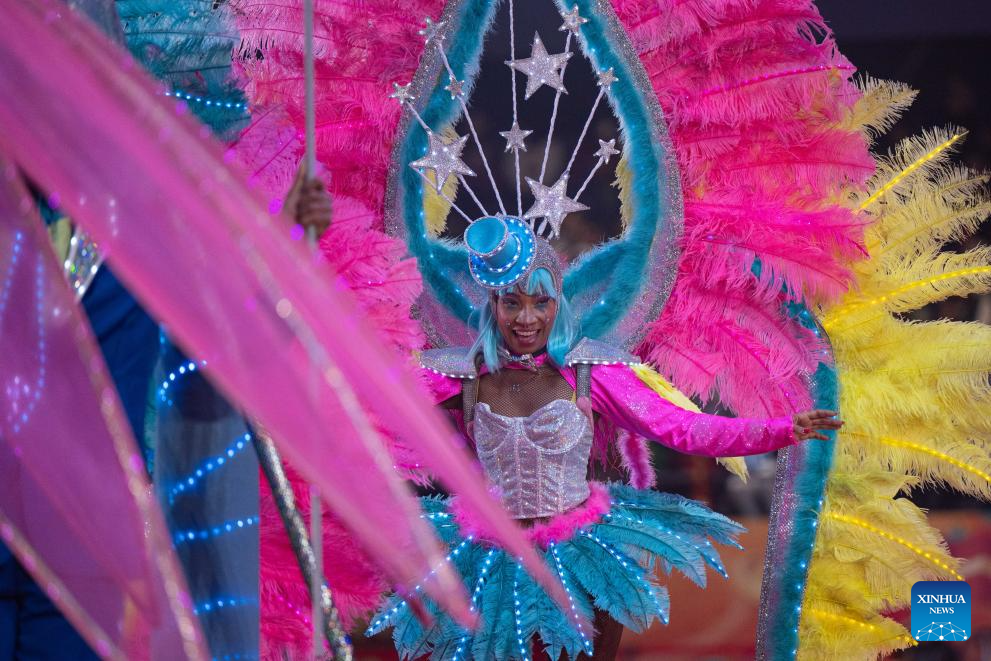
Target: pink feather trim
{"type": "Point", "coordinates": [637, 460]}
{"type": "Point", "coordinates": [561, 527]}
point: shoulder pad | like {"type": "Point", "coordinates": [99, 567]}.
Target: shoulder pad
{"type": "Point", "coordinates": [454, 362]}
{"type": "Point", "coordinates": [594, 352]}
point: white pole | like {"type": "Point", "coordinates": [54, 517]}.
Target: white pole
{"type": "Point", "coordinates": [311, 122]}
{"type": "Point", "coordinates": [316, 517]}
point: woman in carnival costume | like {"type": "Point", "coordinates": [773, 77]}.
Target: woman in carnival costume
{"type": "Point", "coordinates": [532, 394]}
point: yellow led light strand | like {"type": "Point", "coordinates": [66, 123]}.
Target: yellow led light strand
{"type": "Point", "coordinates": [909, 170]}
{"type": "Point", "coordinates": [832, 317]}
{"type": "Point", "coordinates": [982, 209]}
{"type": "Point", "coordinates": [845, 518]}
{"type": "Point", "coordinates": [918, 447]}
{"type": "Point", "coordinates": [826, 615]}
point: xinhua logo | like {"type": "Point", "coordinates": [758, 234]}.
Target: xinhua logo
{"type": "Point", "coordinates": [941, 610]}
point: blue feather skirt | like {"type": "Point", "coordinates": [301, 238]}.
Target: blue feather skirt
{"type": "Point", "coordinates": [608, 566]}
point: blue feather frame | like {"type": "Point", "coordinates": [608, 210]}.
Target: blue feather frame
{"type": "Point", "coordinates": [783, 590]}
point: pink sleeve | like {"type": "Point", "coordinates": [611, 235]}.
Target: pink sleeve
{"type": "Point", "coordinates": [621, 397]}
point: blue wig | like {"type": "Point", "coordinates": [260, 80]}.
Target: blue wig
{"type": "Point", "coordinates": [563, 332]}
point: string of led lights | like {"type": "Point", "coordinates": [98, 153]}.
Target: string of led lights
{"type": "Point", "coordinates": [190, 482]}
{"type": "Point", "coordinates": [9, 275]}
{"type": "Point", "coordinates": [709, 557]}
{"type": "Point", "coordinates": [163, 389]}
{"type": "Point", "coordinates": [214, 103]}
{"type": "Point", "coordinates": [20, 390]}
{"type": "Point", "coordinates": [524, 655]}
{"type": "Point", "coordinates": [479, 584]}
{"type": "Point", "coordinates": [203, 534]}
{"type": "Point", "coordinates": [218, 604]}
{"type": "Point", "coordinates": [586, 643]}
{"type": "Point", "coordinates": [380, 623]}
{"type": "Point", "coordinates": [628, 564]}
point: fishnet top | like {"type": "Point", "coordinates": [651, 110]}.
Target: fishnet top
{"type": "Point", "coordinates": [517, 393]}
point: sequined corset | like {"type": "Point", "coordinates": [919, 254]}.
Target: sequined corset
{"type": "Point", "coordinates": [539, 462]}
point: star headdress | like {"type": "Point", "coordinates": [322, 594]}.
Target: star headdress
{"type": "Point", "coordinates": [552, 203]}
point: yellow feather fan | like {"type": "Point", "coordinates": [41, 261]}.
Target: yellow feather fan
{"type": "Point", "coordinates": [913, 394]}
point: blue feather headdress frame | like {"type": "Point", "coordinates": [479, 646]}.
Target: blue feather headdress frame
{"type": "Point", "coordinates": [615, 289]}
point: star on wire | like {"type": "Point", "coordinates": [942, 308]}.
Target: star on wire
{"type": "Point", "coordinates": [432, 31]}
{"type": "Point", "coordinates": [606, 78]}
{"type": "Point", "coordinates": [572, 21]}
{"type": "Point", "coordinates": [541, 68]}
{"type": "Point", "coordinates": [552, 203]}
{"type": "Point", "coordinates": [606, 150]}
{"type": "Point", "coordinates": [401, 93]}
{"type": "Point", "coordinates": [444, 158]}
{"type": "Point", "coordinates": [515, 137]}
{"type": "Point", "coordinates": [455, 87]}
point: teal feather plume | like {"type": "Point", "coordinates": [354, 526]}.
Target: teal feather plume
{"type": "Point", "coordinates": [557, 629]}
{"type": "Point", "coordinates": [679, 553]}
{"type": "Point", "coordinates": [618, 592]}
{"type": "Point", "coordinates": [676, 512]}
{"type": "Point", "coordinates": [188, 44]}
{"type": "Point", "coordinates": [495, 638]}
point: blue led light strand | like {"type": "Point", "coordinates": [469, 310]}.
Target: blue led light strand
{"type": "Point", "coordinates": [586, 643]}
{"type": "Point", "coordinates": [380, 623]}
{"type": "Point", "coordinates": [185, 368]}
{"type": "Point", "coordinates": [19, 388]}
{"type": "Point", "coordinates": [221, 603]}
{"type": "Point", "coordinates": [638, 506]}
{"type": "Point", "coordinates": [479, 584]}
{"type": "Point", "coordinates": [9, 275]}
{"type": "Point", "coordinates": [190, 482]}
{"type": "Point", "coordinates": [524, 655]}
{"type": "Point", "coordinates": [713, 560]}
{"type": "Point", "coordinates": [204, 534]}
{"type": "Point", "coordinates": [212, 103]}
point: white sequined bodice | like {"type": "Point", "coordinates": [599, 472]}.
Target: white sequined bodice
{"type": "Point", "coordinates": [538, 462]}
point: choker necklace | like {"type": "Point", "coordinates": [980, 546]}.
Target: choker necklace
{"type": "Point", "coordinates": [528, 360]}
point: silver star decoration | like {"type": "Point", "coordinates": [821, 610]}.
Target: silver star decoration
{"type": "Point", "coordinates": [401, 93]}
{"type": "Point", "coordinates": [432, 30]}
{"type": "Point", "coordinates": [455, 87]}
{"type": "Point", "coordinates": [444, 158]}
{"type": "Point", "coordinates": [606, 78]}
{"type": "Point", "coordinates": [541, 68]}
{"type": "Point", "coordinates": [552, 203]}
{"type": "Point", "coordinates": [606, 149]}
{"type": "Point", "coordinates": [515, 137]}
{"type": "Point", "coordinates": [572, 21]}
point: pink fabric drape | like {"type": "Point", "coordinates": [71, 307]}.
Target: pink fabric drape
{"type": "Point", "coordinates": [75, 503]}
{"type": "Point", "coordinates": [204, 256]}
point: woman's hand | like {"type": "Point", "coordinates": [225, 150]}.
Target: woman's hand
{"type": "Point", "coordinates": [308, 202]}
{"type": "Point", "coordinates": [808, 423]}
